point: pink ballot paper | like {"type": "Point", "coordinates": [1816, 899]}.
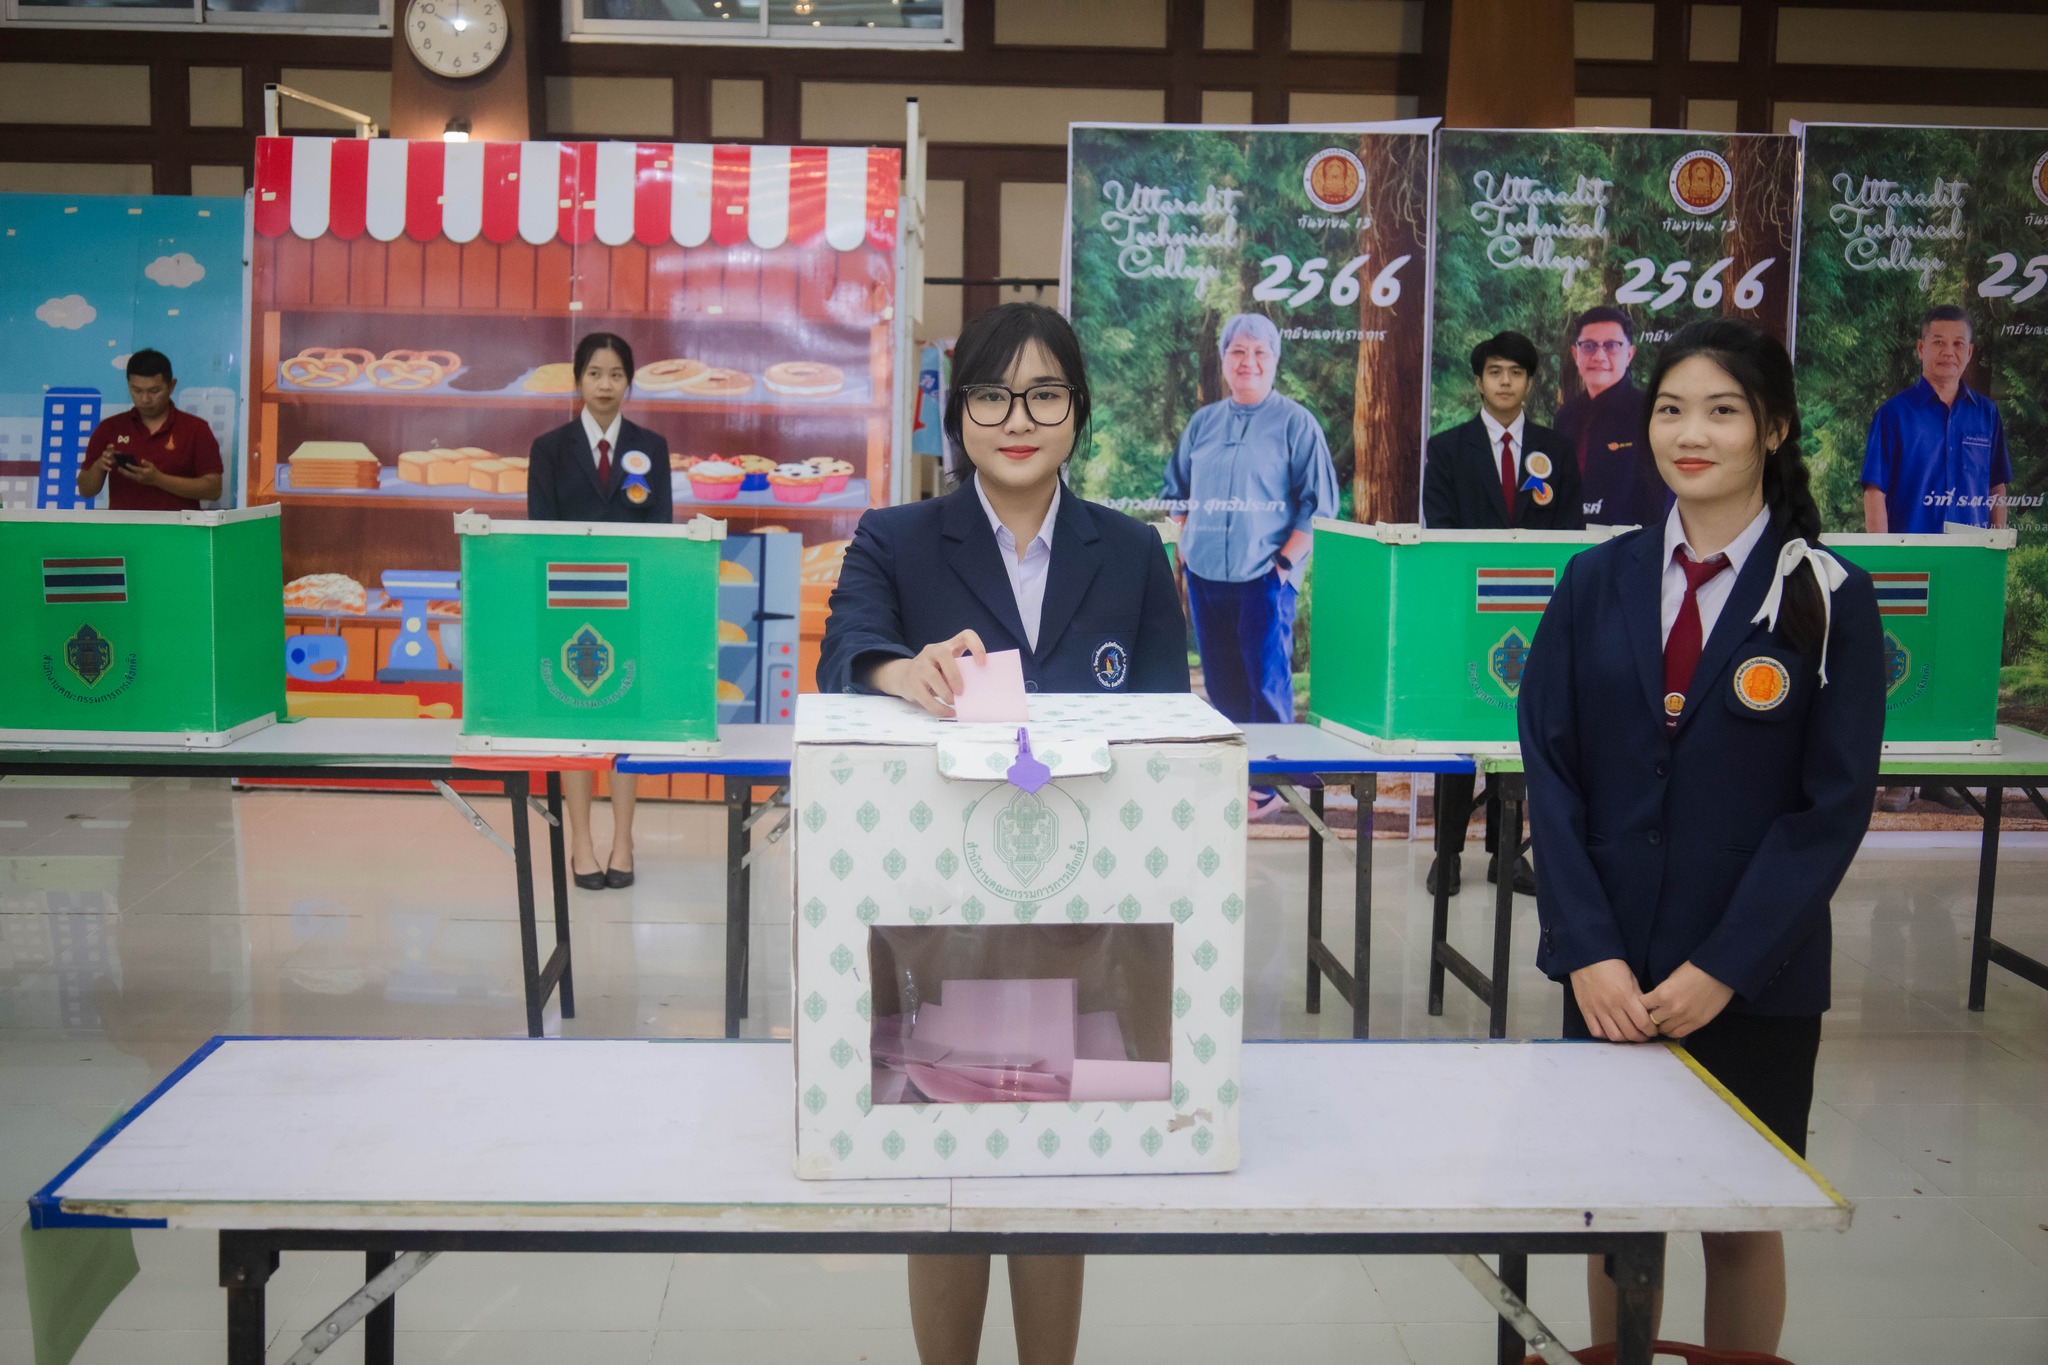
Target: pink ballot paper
{"type": "Point", "coordinates": [992, 690]}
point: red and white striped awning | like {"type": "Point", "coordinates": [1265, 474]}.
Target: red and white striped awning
{"type": "Point", "coordinates": [611, 192]}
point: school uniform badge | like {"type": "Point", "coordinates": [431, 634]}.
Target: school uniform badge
{"type": "Point", "coordinates": [1111, 664]}
{"type": "Point", "coordinates": [1762, 683]}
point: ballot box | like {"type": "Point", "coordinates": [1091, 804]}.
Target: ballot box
{"type": "Point", "coordinates": [144, 628]}
{"type": "Point", "coordinates": [589, 637]}
{"type": "Point", "coordinates": [1018, 948]}
{"type": "Point", "coordinates": [1941, 601]}
{"type": "Point", "coordinates": [1418, 638]}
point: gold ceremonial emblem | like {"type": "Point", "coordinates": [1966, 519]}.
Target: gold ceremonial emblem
{"type": "Point", "coordinates": [1762, 683]}
{"type": "Point", "coordinates": [1674, 702]}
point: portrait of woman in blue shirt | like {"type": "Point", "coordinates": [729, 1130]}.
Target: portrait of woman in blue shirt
{"type": "Point", "coordinates": [1251, 473]}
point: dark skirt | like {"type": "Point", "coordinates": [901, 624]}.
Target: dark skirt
{"type": "Point", "coordinates": [1764, 1060]}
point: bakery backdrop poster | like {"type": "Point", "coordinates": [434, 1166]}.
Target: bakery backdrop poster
{"type": "Point", "coordinates": [415, 307]}
{"type": "Point", "coordinates": [1644, 231]}
{"type": "Point", "coordinates": [1319, 236]}
{"type": "Point", "coordinates": [85, 281]}
{"type": "Point", "coordinates": [1900, 221]}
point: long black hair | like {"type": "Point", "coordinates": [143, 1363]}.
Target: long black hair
{"type": "Point", "coordinates": [1758, 363]}
{"type": "Point", "coordinates": [988, 346]}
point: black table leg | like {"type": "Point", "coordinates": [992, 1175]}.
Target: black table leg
{"type": "Point", "coordinates": [1440, 911]}
{"type": "Point", "coordinates": [244, 1270]}
{"type": "Point", "coordinates": [1315, 904]}
{"type": "Point", "coordinates": [558, 859]}
{"type": "Point", "coordinates": [1509, 1348]}
{"type": "Point", "coordinates": [1365, 789]}
{"type": "Point", "coordinates": [1638, 1273]}
{"type": "Point", "coordinates": [1508, 851]}
{"type": "Point", "coordinates": [737, 792]}
{"type": "Point", "coordinates": [1987, 887]}
{"type": "Point", "coordinates": [380, 1329]}
{"type": "Point", "coordinates": [529, 933]}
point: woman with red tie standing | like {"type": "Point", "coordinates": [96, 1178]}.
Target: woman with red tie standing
{"type": "Point", "coordinates": [600, 467]}
{"type": "Point", "coordinates": [1701, 719]}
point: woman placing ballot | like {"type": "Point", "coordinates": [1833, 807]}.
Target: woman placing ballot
{"type": "Point", "coordinates": [1009, 560]}
{"type": "Point", "coordinates": [600, 467]}
{"type": "Point", "coordinates": [1701, 716]}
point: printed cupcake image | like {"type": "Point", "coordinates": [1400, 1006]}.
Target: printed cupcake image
{"type": "Point", "coordinates": [757, 468]}
{"type": "Point", "coordinates": [715, 480]}
{"type": "Point", "coordinates": [796, 483]}
{"type": "Point", "coordinates": [836, 472]}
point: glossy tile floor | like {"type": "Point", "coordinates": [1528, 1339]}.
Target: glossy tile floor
{"type": "Point", "coordinates": [138, 919]}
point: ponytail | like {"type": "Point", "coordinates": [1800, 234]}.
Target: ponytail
{"type": "Point", "coordinates": [1759, 363]}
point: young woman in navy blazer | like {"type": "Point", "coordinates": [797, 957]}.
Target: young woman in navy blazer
{"type": "Point", "coordinates": [1011, 559]}
{"type": "Point", "coordinates": [600, 467]}
{"type": "Point", "coordinates": [1701, 744]}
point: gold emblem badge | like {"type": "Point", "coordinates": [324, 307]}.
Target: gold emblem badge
{"type": "Point", "coordinates": [1762, 683]}
{"type": "Point", "coordinates": [1674, 702]}
{"type": "Point", "coordinates": [636, 493]}
{"type": "Point", "coordinates": [1538, 465]}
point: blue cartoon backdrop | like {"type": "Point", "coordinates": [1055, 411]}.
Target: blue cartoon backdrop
{"type": "Point", "coordinates": [87, 279]}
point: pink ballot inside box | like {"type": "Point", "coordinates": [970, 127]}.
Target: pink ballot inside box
{"type": "Point", "coordinates": [992, 688]}
{"type": "Point", "coordinates": [986, 1041]}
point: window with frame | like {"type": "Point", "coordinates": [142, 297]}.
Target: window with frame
{"type": "Point", "coordinates": [367, 15]}
{"type": "Point", "coordinates": [811, 23]}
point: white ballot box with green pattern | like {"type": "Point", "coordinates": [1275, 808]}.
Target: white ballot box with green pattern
{"type": "Point", "coordinates": [1418, 638]}
{"type": "Point", "coordinates": [1941, 600]}
{"type": "Point", "coordinates": [142, 628]}
{"type": "Point", "coordinates": [589, 637]}
{"type": "Point", "coordinates": [1018, 955]}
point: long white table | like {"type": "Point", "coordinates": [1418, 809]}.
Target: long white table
{"type": "Point", "coordinates": [404, 1149]}
{"type": "Point", "coordinates": [322, 748]}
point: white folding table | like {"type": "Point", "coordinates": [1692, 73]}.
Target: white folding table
{"type": "Point", "coordinates": [404, 1149]}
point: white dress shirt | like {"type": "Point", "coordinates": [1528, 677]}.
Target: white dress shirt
{"type": "Point", "coordinates": [1713, 594]}
{"type": "Point", "coordinates": [597, 433]}
{"type": "Point", "coordinates": [1027, 573]}
{"type": "Point", "coordinates": [1515, 428]}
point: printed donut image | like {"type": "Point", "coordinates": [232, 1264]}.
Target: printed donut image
{"type": "Point", "coordinates": [663, 375]}
{"type": "Point", "coordinates": [804, 378]}
{"type": "Point", "coordinates": [718, 383]}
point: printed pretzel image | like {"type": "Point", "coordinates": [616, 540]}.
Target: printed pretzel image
{"type": "Point", "coordinates": [324, 367]}
{"type": "Point", "coordinates": [407, 372]}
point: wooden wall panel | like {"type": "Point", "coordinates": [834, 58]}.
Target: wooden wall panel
{"type": "Point", "coordinates": [778, 289]}
{"type": "Point", "coordinates": [479, 275]}
{"type": "Point", "coordinates": [816, 279]}
{"type": "Point", "coordinates": [442, 284]}
{"type": "Point", "coordinates": [629, 278]}
{"type": "Point", "coordinates": [294, 279]}
{"type": "Point", "coordinates": [743, 285]}
{"type": "Point", "coordinates": [592, 282]}
{"type": "Point", "coordinates": [703, 282]}
{"type": "Point", "coordinates": [515, 276]}
{"type": "Point", "coordinates": [552, 262]}
{"type": "Point", "coordinates": [665, 282]}
{"type": "Point", "coordinates": [330, 272]}
{"type": "Point", "coordinates": [402, 274]}
{"type": "Point", "coordinates": [366, 267]}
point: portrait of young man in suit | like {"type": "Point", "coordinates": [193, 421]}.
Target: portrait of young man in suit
{"type": "Point", "coordinates": [1497, 472]}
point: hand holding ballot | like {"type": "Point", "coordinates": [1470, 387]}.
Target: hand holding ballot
{"type": "Point", "coordinates": [931, 677]}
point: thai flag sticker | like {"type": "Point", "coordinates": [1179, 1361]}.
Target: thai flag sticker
{"type": "Point", "coordinates": [589, 586]}
{"type": "Point", "coordinates": [85, 580]}
{"type": "Point", "coordinates": [1900, 594]}
{"type": "Point", "coordinates": [1516, 589]}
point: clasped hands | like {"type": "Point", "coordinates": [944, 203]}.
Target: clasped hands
{"type": "Point", "coordinates": [1616, 1010]}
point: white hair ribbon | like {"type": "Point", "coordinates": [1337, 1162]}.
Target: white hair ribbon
{"type": "Point", "coordinates": [1826, 568]}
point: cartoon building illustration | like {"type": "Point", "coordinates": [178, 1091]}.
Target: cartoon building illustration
{"type": "Point", "coordinates": [21, 463]}
{"type": "Point", "coordinates": [69, 416]}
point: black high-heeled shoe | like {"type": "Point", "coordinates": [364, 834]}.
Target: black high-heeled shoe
{"type": "Point", "coordinates": [617, 879]}
{"type": "Point", "coordinates": [588, 881]}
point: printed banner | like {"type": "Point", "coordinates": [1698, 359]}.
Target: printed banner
{"type": "Point", "coordinates": [1253, 304]}
{"type": "Point", "coordinates": [1597, 246]}
{"type": "Point", "coordinates": [1921, 343]}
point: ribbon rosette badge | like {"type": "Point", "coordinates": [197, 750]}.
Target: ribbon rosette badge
{"type": "Point", "coordinates": [636, 464]}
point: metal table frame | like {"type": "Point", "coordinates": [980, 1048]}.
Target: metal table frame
{"type": "Point", "coordinates": [250, 757]}
{"type": "Point", "coordinates": [1287, 757]}
{"type": "Point", "coordinates": [2022, 762]}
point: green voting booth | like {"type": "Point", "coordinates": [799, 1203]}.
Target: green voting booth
{"type": "Point", "coordinates": [140, 628]}
{"type": "Point", "coordinates": [1420, 637]}
{"type": "Point", "coordinates": [589, 637]}
{"type": "Point", "coordinates": [1941, 600]}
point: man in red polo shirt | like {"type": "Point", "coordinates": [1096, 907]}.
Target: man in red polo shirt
{"type": "Point", "coordinates": [164, 460]}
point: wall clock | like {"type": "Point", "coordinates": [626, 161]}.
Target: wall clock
{"type": "Point", "coordinates": [458, 38]}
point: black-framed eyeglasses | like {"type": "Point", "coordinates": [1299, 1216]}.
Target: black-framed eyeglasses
{"type": "Point", "coordinates": [990, 405]}
{"type": "Point", "coordinates": [1595, 347]}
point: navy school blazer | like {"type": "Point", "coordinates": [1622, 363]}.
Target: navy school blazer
{"type": "Point", "coordinates": [925, 571]}
{"type": "Point", "coordinates": [561, 478]}
{"type": "Point", "coordinates": [1720, 842]}
{"type": "Point", "coordinates": [1461, 482]}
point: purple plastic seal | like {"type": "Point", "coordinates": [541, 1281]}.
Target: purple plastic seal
{"type": "Point", "coordinates": [1027, 772]}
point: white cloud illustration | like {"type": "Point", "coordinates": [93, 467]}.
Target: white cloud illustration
{"type": "Point", "coordinates": [70, 312]}
{"type": "Point", "coordinates": [121, 362]}
{"type": "Point", "coordinates": [176, 272]}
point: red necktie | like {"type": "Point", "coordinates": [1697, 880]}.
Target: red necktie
{"type": "Point", "coordinates": [1682, 647]}
{"type": "Point", "coordinates": [604, 463]}
{"type": "Point", "coordinates": [1507, 473]}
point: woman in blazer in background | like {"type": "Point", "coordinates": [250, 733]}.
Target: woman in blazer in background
{"type": "Point", "coordinates": [600, 467]}
{"type": "Point", "coordinates": [1701, 717]}
{"type": "Point", "coordinates": [1010, 560]}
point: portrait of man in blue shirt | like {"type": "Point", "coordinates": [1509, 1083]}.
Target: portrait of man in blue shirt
{"type": "Point", "coordinates": [1250, 474]}
{"type": "Point", "coordinates": [1936, 453]}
